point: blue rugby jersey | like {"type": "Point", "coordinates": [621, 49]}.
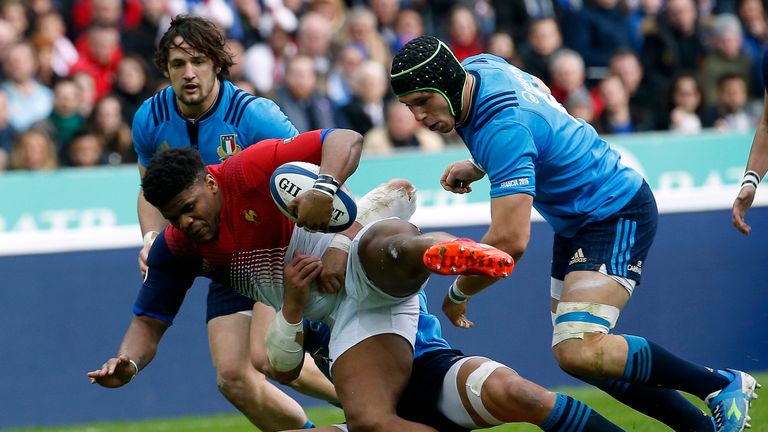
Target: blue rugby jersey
{"type": "Point", "coordinates": [429, 335]}
{"type": "Point", "coordinates": [235, 121]}
{"type": "Point", "coordinates": [528, 143]}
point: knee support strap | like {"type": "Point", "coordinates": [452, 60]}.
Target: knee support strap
{"type": "Point", "coordinates": [474, 386]}
{"type": "Point", "coordinates": [285, 344]}
{"type": "Point", "coordinates": [573, 319]}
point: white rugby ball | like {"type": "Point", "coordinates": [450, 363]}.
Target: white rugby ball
{"type": "Point", "coordinates": [294, 178]}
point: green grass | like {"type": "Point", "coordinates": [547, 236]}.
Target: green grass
{"type": "Point", "coordinates": [623, 416]}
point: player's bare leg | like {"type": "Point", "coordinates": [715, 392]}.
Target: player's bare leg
{"type": "Point", "coordinates": [370, 394]}
{"type": "Point", "coordinates": [247, 389]}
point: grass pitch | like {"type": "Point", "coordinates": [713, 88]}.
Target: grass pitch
{"type": "Point", "coordinates": [618, 413]}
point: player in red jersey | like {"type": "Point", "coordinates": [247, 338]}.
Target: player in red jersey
{"type": "Point", "coordinates": [226, 227]}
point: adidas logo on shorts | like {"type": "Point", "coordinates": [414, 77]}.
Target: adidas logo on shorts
{"type": "Point", "coordinates": [578, 257]}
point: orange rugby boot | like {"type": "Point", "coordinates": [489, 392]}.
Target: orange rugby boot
{"type": "Point", "coordinates": [463, 256]}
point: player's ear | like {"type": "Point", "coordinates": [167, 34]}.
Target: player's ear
{"type": "Point", "coordinates": [210, 182]}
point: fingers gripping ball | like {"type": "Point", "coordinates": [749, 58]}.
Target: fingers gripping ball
{"type": "Point", "coordinates": [295, 178]}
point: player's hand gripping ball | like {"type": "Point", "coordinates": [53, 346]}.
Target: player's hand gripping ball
{"type": "Point", "coordinates": [292, 179]}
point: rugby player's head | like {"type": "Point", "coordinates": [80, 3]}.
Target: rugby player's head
{"type": "Point", "coordinates": [179, 185]}
{"type": "Point", "coordinates": [197, 36]}
{"type": "Point", "coordinates": [423, 69]}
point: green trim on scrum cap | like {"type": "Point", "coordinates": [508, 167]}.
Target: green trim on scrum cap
{"type": "Point", "coordinates": [427, 64]}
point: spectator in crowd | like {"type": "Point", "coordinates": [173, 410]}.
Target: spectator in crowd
{"type": "Point", "coordinates": [386, 12]}
{"type": "Point", "coordinates": [618, 117]}
{"type": "Point", "coordinates": [502, 45]}
{"type": "Point", "coordinates": [112, 130]}
{"type": "Point", "coordinates": [686, 106]}
{"type": "Point", "coordinates": [264, 63]}
{"type": "Point", "coordinates": [370, 89]}
{"type": "Point", "coordinates": [107, 13]}
{"type": "Point", "coordinates": [142, 39]}
{"type": "Point", "coordinates": [579, 104]}
{"type": "Point", "coordinates": [28, 100]}
{"type": "Point", "coordinates": [675, 46]}
{"type": "Point", "coordinates": [733, 112]}
{"type": "Point", "coordinates": [34, 151]}
{"type": "Point", "coordinates": [15, 13]}
{"type": "Point", "coordinates": [100, 58]}
{"type": "Point", "coordinates": [409, 25]}
{"type": "Point", "coordinates": [65, 118]}
{"type": "Point", "coordinates": [300, 99]}
{"type": "Point", "coordinates": [348, 59]}
{"type": "Point", "coordinates": [642, 98]}
{"type": "Point", "coordinates": [755, 35]}
{"type": "Point", "coordinates": [132, 84]}
{"type": "Point", "coordinates": [596, 31]}
{"type": "Point", "coordinates": [401, 130]}
{"type": "Point", "coordinates": [334, 12]}
{"type": "Point", "coordinates": [85, 150]}
{"type": "Point", "coordinates": [362, 29]}
{"type": "Point", "coordinates": [568, 76]}
{"type": "Point", "coordinates": [643, 19]}
{"type": "Point", "coordinates": [88, 89]}
{"type": "Point", "coordinates": [516, 17]}
{"type": "Point", "coordinates": [51, 31]}
{"type": "Point", "coordinates": [7, 133]}
{"type": "Point", "coordinates": [313, 39]}
{"type": "Point", "coordinates": [725, 57]}
{"type": "Point", "coordinates": [543, 41]}
{"type": "Point", "coordinates": [464, 36]}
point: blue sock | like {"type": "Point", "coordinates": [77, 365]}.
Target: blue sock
{"type": "Point", "coordinates": [308, 425]}
{"type": "Point", "coordinates": [570, 415]}
{"type": "Point", "coordinates": [665, 405]}
{"type": "Point", "coordinates": [648, 363]}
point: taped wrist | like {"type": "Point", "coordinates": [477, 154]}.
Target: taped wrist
{"type": "Point", "coordinates": [326, 184]}
{"type": "Point", "coordinates": [285, 342]}
{"type": "Point", "coordinates": [456, 295]}
{"type": "Point", "coordinates": [750, 179]}
{"type": "Point", "coordinates": [341, 242]}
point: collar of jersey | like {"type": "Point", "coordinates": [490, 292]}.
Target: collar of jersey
{"type": "Point", "coordinates": [472, 98]}
{"type": "Point", "coordinates": [206, 114]}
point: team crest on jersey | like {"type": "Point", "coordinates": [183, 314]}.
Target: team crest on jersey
{"type": "Point", "coordinates": [228, 146]}
{"type": "Point", "coordinates": [251, 216]}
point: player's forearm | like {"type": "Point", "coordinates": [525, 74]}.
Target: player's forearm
{"type": "Point", "coordinates": [341, 153]}
{"type": "Point", "coordinates": [150, 218]}
{"type": "Point", "coordinates": [141, 340]}
{"type": "Point", "coordinates": [758, 155]}
{"type": "Point", "coordinates": [312, 382]}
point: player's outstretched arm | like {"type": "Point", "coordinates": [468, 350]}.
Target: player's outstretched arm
{"type": "Point", "coordinates": [151, 222]}
{"type": "Point", "coordinates": [136, 351]}
{"type": "Point", "coordinates": [757, 166]}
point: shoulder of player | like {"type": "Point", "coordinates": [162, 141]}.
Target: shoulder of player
{"type": "Point", "coordinates": [241, 104]}
{"type": "Point", "coordinates": [155, 110]}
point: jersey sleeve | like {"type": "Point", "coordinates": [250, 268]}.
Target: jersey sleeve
{"type": "Point", "coordinates": [142, 142]}
{"type": "Point", "coordinates": [507, 153]}
{"type": "Point", "coordinates": [264, 120]}
{"type": "Point", "coordinates": [258, 161]}
{"type": "Point", "coordinates": [169, 277]}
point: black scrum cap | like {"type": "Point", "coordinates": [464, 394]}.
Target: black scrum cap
{"type": "Point", "coordinates": [427, 64]}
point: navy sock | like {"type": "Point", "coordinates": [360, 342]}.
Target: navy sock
{"type": "Point", "coordinates": [648, 363]}
{"type": "Point", "coordinates": [665, 405]}
{"type": "Point", "coordinates": [570, 415]}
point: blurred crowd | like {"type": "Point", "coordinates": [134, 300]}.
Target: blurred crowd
{"type": "Point", "coordinates": [74, 72]}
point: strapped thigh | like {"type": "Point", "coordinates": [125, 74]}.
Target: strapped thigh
{"type": "Point", "coordinates": [450, 404]}
{"type": "Point", "coordinates": [573, 319]}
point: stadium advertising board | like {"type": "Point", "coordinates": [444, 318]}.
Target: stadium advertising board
{"type": "Point", "coordinates": [81, 209]}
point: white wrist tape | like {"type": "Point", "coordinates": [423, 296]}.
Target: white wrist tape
{"type": "Point", "coordinates": [136, 369]}
{"type": "Point", "coordinates": [285, 348]}
{"type": "Point", "coordinates": [150, 236]}
{"type": "Point", "coordinates": [342, 242]}
{"type": "Point", "coordinates": [750, 179]}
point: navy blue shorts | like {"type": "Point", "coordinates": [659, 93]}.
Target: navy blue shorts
{"type": "Point", "coordinates": [223, 300]}
{"type": "Point", "coordinates": [620, 242]}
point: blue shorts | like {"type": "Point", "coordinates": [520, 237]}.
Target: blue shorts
{"type": "Point", "coordinates": [620, 242]}
{"type": "Point", "coordinates": [223, 300]}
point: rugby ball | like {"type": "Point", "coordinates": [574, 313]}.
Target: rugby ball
{"type": "Point", "coordinates": [294, 178]}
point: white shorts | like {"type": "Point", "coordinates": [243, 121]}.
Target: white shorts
{"type": "Point", "coordinates": [366, 311]}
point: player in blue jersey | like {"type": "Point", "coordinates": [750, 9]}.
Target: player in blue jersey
{"type": "Point", "coordinates": [604, 216]}
{"type": "Point", "coordinates": [757, 164]}
{"type": "Point", "coordinates": [204, 111]}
